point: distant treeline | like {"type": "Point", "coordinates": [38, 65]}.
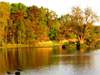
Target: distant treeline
{"type": "Point", "coordinates": [20, 24]}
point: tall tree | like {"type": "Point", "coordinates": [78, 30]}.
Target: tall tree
{"type": "Point", "coordinates": [17, 27]}
{"type": "Point", "coordinates": [4, 17]}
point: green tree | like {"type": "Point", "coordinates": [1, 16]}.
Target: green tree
{"type": "Point", "coordinates": [53, 34]}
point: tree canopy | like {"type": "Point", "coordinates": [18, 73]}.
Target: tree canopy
{"type": "Point", "coordinates": [20, 24]}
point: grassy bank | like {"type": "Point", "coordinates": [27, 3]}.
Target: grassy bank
{"type": "Point", "coordinates": [36, 44]}
{"type": "Point", "coordinates": [68, 45]}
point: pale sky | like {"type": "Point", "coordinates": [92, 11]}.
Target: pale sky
{"type": "Point", "coordinates": [61, 7]}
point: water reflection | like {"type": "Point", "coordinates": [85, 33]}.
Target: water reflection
{"type": "Point", "coordinates": [44, 61]}
{"type": "Point", "coordinates": [24, 58]}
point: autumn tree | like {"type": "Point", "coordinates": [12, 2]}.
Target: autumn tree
{"type": "Point", "coordinates": [4, 17]}
{"type": "Point", "coordinates": [22, 25]}
{"type": "Point", "coordinates": [78, 22]}
{"type": "Point", "coordinates": [17, 26]}
{"type": "Point", "coordinates": [65, 27]}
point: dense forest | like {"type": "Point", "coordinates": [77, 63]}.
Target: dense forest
{"type": "Point", "coordinates": [20, 24]}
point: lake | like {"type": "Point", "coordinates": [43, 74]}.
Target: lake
{"type": "Point", "coordinates": [48, 61]}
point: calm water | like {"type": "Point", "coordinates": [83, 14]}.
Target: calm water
{"type": "Point", "coordinates": [48, 61]}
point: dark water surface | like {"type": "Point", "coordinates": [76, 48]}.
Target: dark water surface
{"type": "Point", "coordinates": [48, 61]}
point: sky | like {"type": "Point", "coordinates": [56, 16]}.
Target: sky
{"type": "Point", "coordinates": [62, 7]}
